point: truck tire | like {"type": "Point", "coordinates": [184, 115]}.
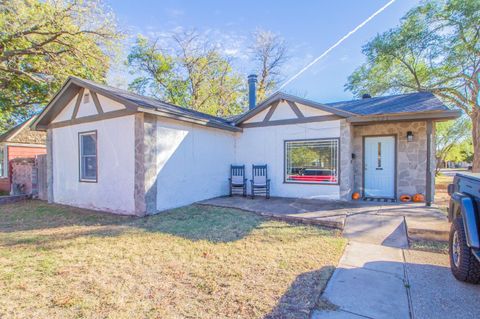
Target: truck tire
{"type": "Point", "coordinates": [464, 265]}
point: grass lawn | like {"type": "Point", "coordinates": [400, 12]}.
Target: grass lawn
{"type": "Point", "coordinates": [192, 262]}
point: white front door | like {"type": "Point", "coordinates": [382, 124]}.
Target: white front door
{"type": "Point", "coordinates": [379, 166]}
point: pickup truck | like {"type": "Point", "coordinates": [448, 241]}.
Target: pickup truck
{"type": "Point", "coordinates": [464, 214]}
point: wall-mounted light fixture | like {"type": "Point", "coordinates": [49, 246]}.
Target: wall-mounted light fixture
{"type": "Point", "coordinates": [409, 136]}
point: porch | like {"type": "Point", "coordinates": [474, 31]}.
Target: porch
{"type": "Point", "coordinates": [354, 218]}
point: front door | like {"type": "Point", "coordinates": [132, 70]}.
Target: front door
{"type": "Point", "coordinates": [379, 167]}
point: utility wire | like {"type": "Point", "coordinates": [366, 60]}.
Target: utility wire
{"type": "Point", "coordinates": [345, 37]}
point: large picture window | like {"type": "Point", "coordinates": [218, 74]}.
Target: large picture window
{"type": "Point", "coordinates": [311, 161]}
{"type": "Point", "coordinates": [88, 156]}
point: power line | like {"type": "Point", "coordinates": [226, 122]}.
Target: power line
{"type": "Point", "coordinates": [336, 44]}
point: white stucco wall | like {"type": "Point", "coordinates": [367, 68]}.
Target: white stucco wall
{"type": "Point", "coordinates": [193, 163]}
{"type": "Point", "coordinates": [115, 153]}
{"type": "Point", "coordinates": [265, 145]}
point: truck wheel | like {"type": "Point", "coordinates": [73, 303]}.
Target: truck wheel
{"type": "Point", "coordinates": [464, 265]}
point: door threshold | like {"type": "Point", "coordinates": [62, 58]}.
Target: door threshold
{"type": "Point", "coordinates": [379, 199]}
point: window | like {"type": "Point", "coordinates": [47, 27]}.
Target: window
{"type": "Point", "coordinates": [3, 169]}
{"type": "Point", "coordinates": [311, 161]}
{"type": "Point", "coordinates": [88, 156]}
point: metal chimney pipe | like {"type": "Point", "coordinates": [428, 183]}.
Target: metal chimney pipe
{"type": "Point", "coordinates": [252, 91]}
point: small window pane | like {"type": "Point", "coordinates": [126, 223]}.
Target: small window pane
{"type": "Point", "coordinates": [88, 156]}
{"type": "Point", "coordinates": [312, 161]}
{"type": "Point", "coordinates": [89, 144]}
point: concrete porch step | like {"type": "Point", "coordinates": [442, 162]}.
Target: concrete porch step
{"type": "Point", "coordinates": [427, 229]}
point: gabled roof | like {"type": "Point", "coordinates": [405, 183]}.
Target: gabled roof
{"type": "Point", "coordinates": [134, 102]}
{"type": "Point", "coordinates": [21, 133]}
{"type": "Point", "coordinates": [411, 106]}
{"type": "Point", "coordinates": [283, 96]}
{"type": "Point", "coordinates": [422, 105]}
{"type": "Point", "coordinates": [404, 103]}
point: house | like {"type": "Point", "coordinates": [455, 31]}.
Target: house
{"type": "Point", "coordinates": [19, 142]}
{"type": "Point", "coordinates": [113, 150]}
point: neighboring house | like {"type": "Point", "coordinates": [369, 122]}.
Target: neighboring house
{"type": "Point", "coordinates": [113, 150]}
{"type": "Point", "coordinates": [19, 142]}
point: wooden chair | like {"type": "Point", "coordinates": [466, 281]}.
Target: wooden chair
{"type": "Point", "coordinates": [237, 179]}
{"type": "Point", "coordinates": [260, 182]}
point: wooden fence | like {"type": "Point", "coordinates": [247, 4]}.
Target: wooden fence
{"type": "Point", "coordinates": [41, 176]}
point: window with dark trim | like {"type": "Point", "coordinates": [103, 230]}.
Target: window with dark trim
{"type": "Point", "coordinates": [3, 161]}
{"type": "Point", "coordinates": [312, 161]}
{"type": "Point", "coordinates": [88, 156]}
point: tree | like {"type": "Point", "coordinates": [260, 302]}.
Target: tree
{"type": "Point", "coordinates": [42, 43]}
{"type": "Point", "coordinates": [188, 71]}
{"type": "Point", "coordinates": [269, 53]}
{"type": "Point", "coordinates": [448, 137]}
{"type": "Point", "coordinates": [435, 49]}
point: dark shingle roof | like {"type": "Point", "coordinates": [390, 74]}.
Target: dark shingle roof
{"type": "Point", "coordinates": [404, 103]}
{"type": "Point", "coordinates": [149, 102]}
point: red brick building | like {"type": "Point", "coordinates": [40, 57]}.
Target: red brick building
{"type": "Point", "coordinates": [19, 142]}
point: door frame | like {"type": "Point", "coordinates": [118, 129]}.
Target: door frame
{"type": "Point", "coordinates": [395, 137]}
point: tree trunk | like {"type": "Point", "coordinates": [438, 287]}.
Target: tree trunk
{"type": "Point", "coordinates": [476, 139]}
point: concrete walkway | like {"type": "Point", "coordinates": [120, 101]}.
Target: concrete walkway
{"type": "Point", "coordinates": [377, 277]}
{"type": "Point", "coordinates": [421, 222]}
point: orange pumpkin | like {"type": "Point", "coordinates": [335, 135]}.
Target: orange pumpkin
{"type": "Point", "coordinates": [356, 196]}
{"type": "Point", "coordinates": [418, 198]}
{"type": "Point", "coordinates": [405, 198]}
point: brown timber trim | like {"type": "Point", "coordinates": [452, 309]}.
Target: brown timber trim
{"type": "Point", "coordinates": [295, 109]}
{"type": "Point", "coordinates": [428, 188]}
{"type": "Point", "coordinates": [92, 118]}
{"type": "Point", "coordinates": [96, 102]}
{"type": "Point", "coordinates": [302, 120]}
{"type": "Point", "coordinates": [270, 111]}
{"type": "Point", "coordinates": [77, 103]}
{"type": "Point", "coordinates": [419, 116]}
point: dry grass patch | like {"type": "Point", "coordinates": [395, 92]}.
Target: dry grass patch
{"type": "Point", "coordinates": [441, 193]}
{"type": "Point", "coordinates": [192, 262]}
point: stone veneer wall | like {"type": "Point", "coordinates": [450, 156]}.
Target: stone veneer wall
{"type": "Point", "coordinates": [411, 157]}
{"type": "Point", "coordinates": [145, 192]}
{"type": "Point", "coordinates": [346, 150]}
{"type": "Point", "coordinates": [139, 186]}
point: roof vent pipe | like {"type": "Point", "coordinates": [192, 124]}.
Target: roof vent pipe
{"type": "Point", "coordinates": [366, 96]}
{"type": "Point", "coordinates": [252, 91]}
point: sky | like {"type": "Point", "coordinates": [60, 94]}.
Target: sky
{"type": "Point", "coordinates": [308, 27]}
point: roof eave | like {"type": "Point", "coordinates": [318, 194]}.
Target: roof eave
{"type": "Point", "coordinates": [186, 118]}
{"type": "Point", "coordinates": [442, 115]}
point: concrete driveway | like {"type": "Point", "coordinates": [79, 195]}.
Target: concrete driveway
{"type": "Point", "coordinates": [379, 277]}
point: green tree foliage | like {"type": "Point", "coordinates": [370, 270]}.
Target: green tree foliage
{"type": "Point", "coordinates": [436, 49]}
{"type": "Point", "coordinates": [452, 139]}
{"type": "Point", "coordinates": [42, 43]}
{"type": "Point", "coordinates": [186, 70]}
